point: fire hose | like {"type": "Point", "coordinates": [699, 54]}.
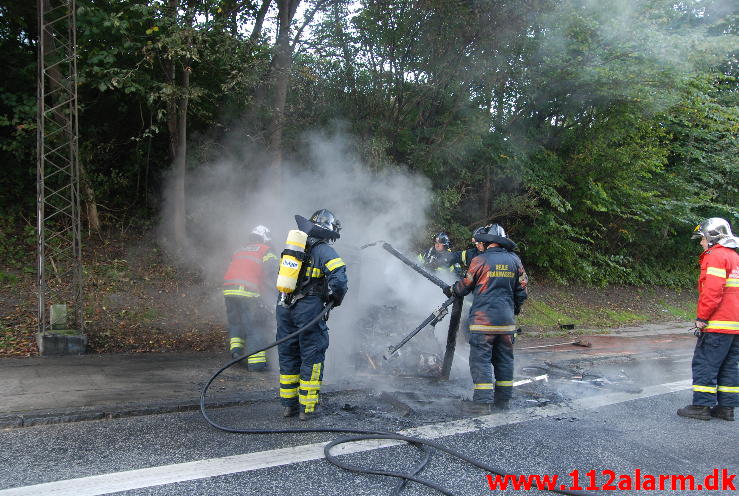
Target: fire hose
{"type": "Point", "coordinates": [364, 434]}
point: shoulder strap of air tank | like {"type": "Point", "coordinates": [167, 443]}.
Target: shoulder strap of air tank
{"type": "Point", "coordinates": [300, 255]}
{"type": "Point", "coordinates": [306, 257]}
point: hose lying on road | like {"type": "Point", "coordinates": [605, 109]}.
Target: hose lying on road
{"type": "Point", "coordinates": [361, 435]}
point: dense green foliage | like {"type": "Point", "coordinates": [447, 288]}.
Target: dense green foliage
{"type": "Point", "coordinates": [598, 133]}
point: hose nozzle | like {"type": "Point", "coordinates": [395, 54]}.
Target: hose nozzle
{"type": "Point", "coordinates": [371, 244]}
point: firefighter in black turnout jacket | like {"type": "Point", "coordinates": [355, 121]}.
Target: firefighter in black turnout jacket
{"type": "Point", "coordinates": [461, 260]}
{"type": "Point", "coordinates": [498, 282]}
{"type": "Point", "coordinates": [322, 279]}
{"type": "Point", "coordinates": [439, 255]}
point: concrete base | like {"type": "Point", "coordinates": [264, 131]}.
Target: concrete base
{"type": "Point", "coordinates": [69, 343]}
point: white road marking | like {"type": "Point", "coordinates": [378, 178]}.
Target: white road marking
{"type": "Point", "coordinates": [169, 474]}
{"type": "Point", "coordinates": [544, 378]}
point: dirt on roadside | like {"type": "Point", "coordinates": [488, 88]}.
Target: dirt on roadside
{"type": "Point", "coordinates": [139, 300]}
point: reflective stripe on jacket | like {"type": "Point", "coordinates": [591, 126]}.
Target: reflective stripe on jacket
{"type": "Point", "coordinates": [718, 290]}
{"type": "Point", "coordinates": [438, 260]}
{"type": "Point", "coordinates": [498, 282]}
{"type": "Point", "coordinates": [463, 258]}
{"type": "Point", "coordinates": [323, 262]}
{"type": "Point", "coordinates": [246, 275]}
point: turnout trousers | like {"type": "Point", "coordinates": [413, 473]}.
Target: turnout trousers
{"type": "Point", "coordinates": [716, 370]}
{"type": "Point", "coordinates": [301, 357]}
{"type": "Point", "coordinates": [491, 353]}
{"type": "Point", "coordinates": [248, 325]}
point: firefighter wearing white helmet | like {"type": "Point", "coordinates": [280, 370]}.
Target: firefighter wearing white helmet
{"type": "Point", "coordinates": [716, 356]}
{"type": "Point", "coordinates": [248, 294]}
{"type": "Point", "coordinates": [716, 231]}
{"type": "Point", "coordinates": [322, 279]}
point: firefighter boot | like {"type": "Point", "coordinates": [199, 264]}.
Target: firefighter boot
{"type": "Point", "coordinates": [236, 353]}
{"type": "Point", "coordinates": [258, 367]}
{"type": "Point", "coordinates": [699, 412]}
{"type": "Point", "coordinates": [307, 415]}
{"type": "Point", "coordinates": [475, 408]}
{"type": "Point", "coordinates": [290, 411]}
{"type": "Point", "coordinates": [502, 405]}
{"type": "Point", "coordinates": [723, 412]}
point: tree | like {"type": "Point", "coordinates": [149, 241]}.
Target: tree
{"type": "Point", "coordinates": [596, 132]}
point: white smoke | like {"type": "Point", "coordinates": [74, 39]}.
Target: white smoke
{"type": "Point", "coordinates": [227, 198]}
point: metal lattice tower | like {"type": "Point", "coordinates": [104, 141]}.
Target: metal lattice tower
{"type": "Point", "coordinates": [58, 194]}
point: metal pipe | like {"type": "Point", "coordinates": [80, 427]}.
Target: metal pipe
{"type": "Point", "coordinates": [410, 263]}
{"type": "Point", "coordinates": [451, 338]}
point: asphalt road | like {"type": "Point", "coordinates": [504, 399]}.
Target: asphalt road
{"type": "Point", "coordinates": [556, 428]}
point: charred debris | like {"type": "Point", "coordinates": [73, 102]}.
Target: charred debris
{"type": "Point", "coordinates": [395, 346]}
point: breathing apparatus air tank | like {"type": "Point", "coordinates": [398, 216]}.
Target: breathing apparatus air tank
{"type": "Point", "coordinates": [291, 263]}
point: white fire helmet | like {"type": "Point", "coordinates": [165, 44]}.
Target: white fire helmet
{"type": "Point", "coordinates": [262, 232]}
{"type": "Point", "coordinates": [716, 231]}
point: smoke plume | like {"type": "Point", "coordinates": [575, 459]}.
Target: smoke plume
{"type": "Point", "coordinates": [228, 197]}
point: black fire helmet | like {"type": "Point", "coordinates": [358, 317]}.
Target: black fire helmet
{"type": "Point", "coordinates": [442, 238]}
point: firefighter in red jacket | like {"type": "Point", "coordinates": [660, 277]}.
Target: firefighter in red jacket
{"type": "Point", "coordinates": [716, 356]}
{"type": "Point", "coordinates": [247, 286]}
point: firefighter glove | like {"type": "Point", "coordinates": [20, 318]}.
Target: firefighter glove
{"type": "Point", "coordinates": [335, 298]}
{"type": "Point", "coordinates": [449, 291]}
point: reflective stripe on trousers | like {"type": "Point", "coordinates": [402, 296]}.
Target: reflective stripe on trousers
{"type": "Point", "coordinates": [259, 357]}
{"type": "Point", "coordinates": [716, 370]}
{"type": "Point", "coordinates": [308, 391]}
{"type": "Point", "coordinates": [289, 386]}
{"type": "Point", "coordinates": [236, 343]}
{"type": "Point", "coordinates": [491, 353]}
{"type": "Point", "coordinates": [248, 326]}
{"type": "Point", "coordinates": [302, 356]}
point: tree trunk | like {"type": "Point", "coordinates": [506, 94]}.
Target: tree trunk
{"type": "Point", "coordinates": [180, 164]}
{"type": "Point", "coordinates": [88, 197]}
{"type": "Point", "coordinates": [487, 184]}
{"type": "Point", "coordinates": [259, 21]}
{"type": "Point", "coordinates": [170, 74]}
{"type": "Point", "coordinates": [177, 127]}
{"type": "Point", "coordinates": [486, 192]}
{"type": "Point", "coordinates": [348, 58]}
{"type": "Point", "coordinates": [256, 118]}
{"type": "Point", "coordinates": [280, 78]}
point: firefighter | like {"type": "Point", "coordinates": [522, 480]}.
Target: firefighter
{"type": "Point", "coordinates": [498, 282]}
{"type": "Point", "coordinates": [461, 260]}
{"type": "Point", "coordinates": [246, 285]}
{"type": "Point", "coordinates": [716, 356]}
{"type": "Point", "coordinates": [322, 279]}
{"type": "Point", "coordinates": [438, 257]}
